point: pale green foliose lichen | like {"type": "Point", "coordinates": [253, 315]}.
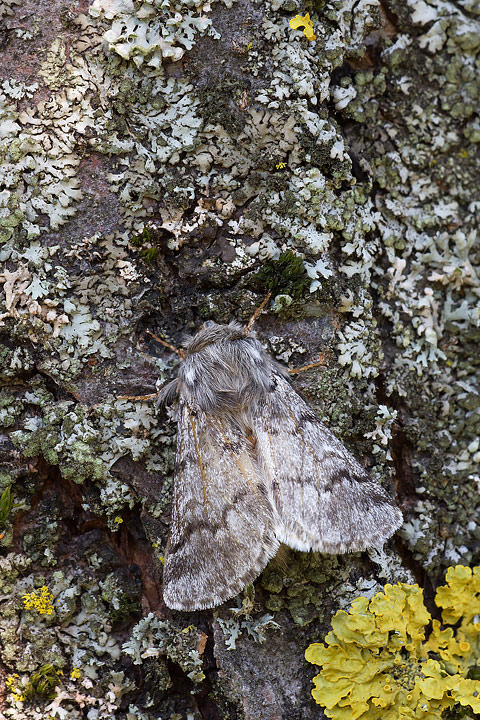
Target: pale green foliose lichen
{"type": "Point", "coordinates": [149, 31]}
{"type": "Point", "coordinates": [152, 638]}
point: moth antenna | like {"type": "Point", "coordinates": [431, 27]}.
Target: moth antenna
{"type": "Point", "coordinates": [320, 363]}
{"type": "Point", "coordinates": [180, 353]}
{"type": "Point", "coordinates": [139, 397]}
{"type": "Point", "coordinates": [165, 394]}
{"type": "Point", "coordinates": [256, 314]}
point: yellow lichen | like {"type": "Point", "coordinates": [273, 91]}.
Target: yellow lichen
{"type": "Point", "coordinates": [460, 601]}
{"type": "Point", "coordinates": [14, 688]}
{"type": "Point", "coordinates": [40, 600]}
{"type": "Point", "coordinates": [375, 663]}
{"type": "Point", "coordinates": [303, 21]}
{"type": "Point", "coordinates": [460, 597]}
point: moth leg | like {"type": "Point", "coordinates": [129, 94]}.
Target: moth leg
{"type": "Point", "coordinates": [139, 397]}
{"type": "Point", "coordinates": [256, 314]}
{"type": "Point", "coordinates": [153, 395]}
{"type": "Point", "coordinates": [320, 363]}
{"type": "Point", "coordinates": [180, 352]}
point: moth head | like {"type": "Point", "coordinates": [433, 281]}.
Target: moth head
{"type": "Point", "coordinates": [211, 333]}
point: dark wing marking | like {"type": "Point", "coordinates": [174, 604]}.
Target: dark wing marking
{"type": "Point", "coordinates": [324, 498]}
{"type": "Point", "coordinates": [222, 529]}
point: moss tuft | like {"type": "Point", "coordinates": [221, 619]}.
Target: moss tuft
{"type": "Point", "coordinates": [285, 276]}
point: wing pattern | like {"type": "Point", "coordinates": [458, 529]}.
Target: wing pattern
{"type": "Point", "coordinates": [323, 497]}
{"type": "Point", "coordinates": [222, 529]}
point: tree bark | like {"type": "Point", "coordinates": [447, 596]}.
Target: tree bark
{"type": "Point", "coordinates": [162, 165]}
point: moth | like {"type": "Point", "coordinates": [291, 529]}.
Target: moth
{"type": "Point", "coordinates": [255, 467]}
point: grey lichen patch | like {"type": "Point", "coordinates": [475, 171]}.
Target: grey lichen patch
{"type": "Point", "coordinates": [85, 442]}
{"type": "Point", "coordinates": [168, 125]}
{"type": "Point", "coordinates": [233, 627]}
{"type": "Point", "coordinates": [11, 216]}
{"type": "Point", "coordinates": [422, 268]}
{"type": "Point", "coordinates": [214, 148]}
{"type": "Point", "coordinates": [26, 153]}
{"type": "Point", "coordinates": [184, 644]}
{"type": "Point", "coordinates": [10, 408]}
{"type": "Point", "coordinates": [47, 299]}
{"type": "Point", "coordinates": [147, 32]}
{"type": "Point", "coordinates": [51, 69]}
{"type": "Point", "coordinates": [45, 426]}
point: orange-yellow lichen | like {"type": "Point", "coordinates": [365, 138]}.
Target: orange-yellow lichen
{"type": "Point", "coordinates": [303, 21]}
{"type": "Point", "coordinates": [375, 663]}
{"type": "Point", "coordinates": [13, 687]}
{"type": "Point", "coordinates": [40, 600]}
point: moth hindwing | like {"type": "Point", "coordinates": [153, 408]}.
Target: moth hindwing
{"type": "Point", "coordinates": [255, 467]}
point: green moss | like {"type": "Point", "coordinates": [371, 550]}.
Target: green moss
{"type": "Point", "coordinates": [148, 243]}
{"type": "Point", "coordinates": [6, 504]}
{"type": "Point", "coordinates": [287, 275]}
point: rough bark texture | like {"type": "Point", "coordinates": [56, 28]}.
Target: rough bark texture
{"type": "Point", "coordinates": [165, 164]}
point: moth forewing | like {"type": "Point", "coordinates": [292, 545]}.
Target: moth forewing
{"type": "Point", "coordinates": [255, 467]}
{"type": "Point", "coordinates": [325, 500]}
{"type": "Point", "coordinates": [222, 529]}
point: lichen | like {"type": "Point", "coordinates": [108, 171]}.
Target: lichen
{"type": "Point", "coordinates": [376, 662]}
{"type": "Point", "coordinates": [153, 638]}
{"type": "Point", "coordinates": [60, 656]}
{"type": "Point", "coordinates": [304, 22]}
{"type": "Point", "coordinates": [309, 585]}
{"type": "Point", "coordinates": [241, 620]}
{"type": "Point", "coordinates": [149, 31]}
{"type": "Point", "coordinates": [127, 176]}
{"type": "Point", "coordinates": [39, 600]}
